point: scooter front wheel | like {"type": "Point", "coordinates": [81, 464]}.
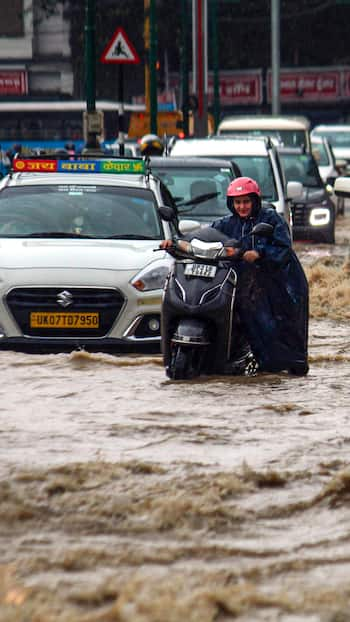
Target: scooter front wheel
{"type": "Point", "coordinates": [185, 363]}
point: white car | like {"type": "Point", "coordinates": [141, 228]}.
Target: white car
{"type": "Point", "coordinates": [327, 166]}
{"type": "Point", "coordinates": [78, 267]}
{"type": "Point", "coordinates": [288, 131]}
{"type": "Point", "coordinates": [339, 137]}
{"type": "Point", "coordinates": [256, 157]}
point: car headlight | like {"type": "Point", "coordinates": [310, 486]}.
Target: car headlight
{"type": "Point", "coordinates": [152, 276]}
{"type": "Point", "coordinates": [320, 216]}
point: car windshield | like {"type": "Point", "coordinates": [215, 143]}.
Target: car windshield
{"type": "Point", "coordinates": [259, 168]}
{"type": "Point", "coordinates": [199, 193]}
{"type": "Point", "coordinates": [301, 168]}
{"type": "Point", "coordinates": [287, 138]}
{"type": "Point", "coordinates": [337, 138]}
{"type": "Point", "coordinates": [67, 210]}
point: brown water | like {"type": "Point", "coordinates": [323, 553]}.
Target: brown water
{"type": "Point", "coordinates": [129, 498]}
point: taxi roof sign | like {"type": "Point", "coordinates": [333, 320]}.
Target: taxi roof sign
{"type": "Point", "coordinates": [122, 166]}
{"type": "Point", "coordinates": [120, 50]}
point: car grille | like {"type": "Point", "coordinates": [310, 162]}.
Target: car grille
{"type": "Point", "coordinates": [106, 302]}
{"type": "Point", "coordinates": [300, 215]}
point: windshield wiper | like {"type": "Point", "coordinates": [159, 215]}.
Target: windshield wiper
{"type": "Point", "coordinates": [129, 236]}
{"type": "Point", "coordinates": [199, 199]}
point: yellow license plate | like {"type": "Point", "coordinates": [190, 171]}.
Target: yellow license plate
{"type": "Point", "coordinates": [64, 320]}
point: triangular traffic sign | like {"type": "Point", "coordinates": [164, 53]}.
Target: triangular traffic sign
{"type": "Point", "coordinates": [120, 50]}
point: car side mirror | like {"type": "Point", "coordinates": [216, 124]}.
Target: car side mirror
{"type": "Point", "coordinates": [294, 190]}
{"type": "Point", "coordinates": [167, 213]}
{"type": "Point", "coordinates": [342, 187]}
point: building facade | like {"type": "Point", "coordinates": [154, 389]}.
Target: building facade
{"type": "Point", "coordinates": [35, 53]}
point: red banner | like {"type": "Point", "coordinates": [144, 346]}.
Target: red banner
{"type": "Point", "coordinates": [237, 88]}
{"type": "Point", "coordinates": [13, 82]}
{"type": "Point", "coordinates": [312, 86]}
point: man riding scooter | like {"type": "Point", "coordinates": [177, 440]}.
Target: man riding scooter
{"type": "Point", "coordinates": [272, 291]}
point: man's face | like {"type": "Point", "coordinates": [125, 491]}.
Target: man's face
{"type": "Point", "coordinates": [243, 205]}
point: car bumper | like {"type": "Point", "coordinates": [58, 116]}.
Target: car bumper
{"type": "Point", "coordinates": [22, 344]}
{"type": "Point", "coordinates": [127, 321]}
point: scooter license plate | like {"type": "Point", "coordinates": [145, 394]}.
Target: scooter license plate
{"type": "Point", "coordinates": [200, 269]}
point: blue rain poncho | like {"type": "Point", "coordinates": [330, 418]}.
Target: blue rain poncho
{"type": "Point", "coordinates": [272, 293]}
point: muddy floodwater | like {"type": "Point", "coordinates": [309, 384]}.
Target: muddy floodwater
{"type": "Point", "coordinates": [126, 497]}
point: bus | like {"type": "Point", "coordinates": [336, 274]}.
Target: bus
{"type": "Point", "coordinates": [52, 124]}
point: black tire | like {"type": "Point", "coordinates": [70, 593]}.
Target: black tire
{"type": "Point", "coordinates": [185, 363]}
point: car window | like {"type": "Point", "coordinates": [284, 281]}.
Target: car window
{"type": "Point", "coordinates": [190, 187]}
{"type": "Point", "coordinates": [336, 139]}
{"type": "Point", "coordinates": [98, 211]}
{"type": "Point", "coordinates": [302, 168]}
{"type": "Point", "coordinates": [288, 138]}
{"type": "Point", "coordinates": [260, 169]}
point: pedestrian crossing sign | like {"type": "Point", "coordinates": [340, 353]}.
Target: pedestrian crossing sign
{"type": "Point", "coordinates": [120, 50]}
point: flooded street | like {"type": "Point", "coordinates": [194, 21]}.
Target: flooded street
{"type": "Point", "coordinates": [126, 497]}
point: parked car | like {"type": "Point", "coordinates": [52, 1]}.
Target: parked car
{"type": "Point", "coordinates": [288, 131]}
{"type": "Point", "coordinates": [327, 166]}
{"type": "Point", "coordinates": [198, 185]}
{"type": "Point", "coordinates": [77, 266]}
{"type": "Point", "coordinates": [339, 138]}
{"type": "Point", "coordinates": [314, 212]}
{"type": "Point", "coordinates": [256, 157]}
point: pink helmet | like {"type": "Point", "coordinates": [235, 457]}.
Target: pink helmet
{"type": "Point", "coordinates": [243, 185]}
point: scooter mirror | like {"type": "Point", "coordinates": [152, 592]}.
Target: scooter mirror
{"type": "Point", "coordinates": [263, 228]}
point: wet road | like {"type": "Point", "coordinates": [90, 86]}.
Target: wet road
{"type": "Point", "coordinates": [131, 498]}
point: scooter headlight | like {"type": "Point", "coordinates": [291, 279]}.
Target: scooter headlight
{"type": "Point", "coordinates": [152, 276]}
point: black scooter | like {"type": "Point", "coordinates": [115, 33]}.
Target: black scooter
{"type": "Point", "coordinates": [199, 332]}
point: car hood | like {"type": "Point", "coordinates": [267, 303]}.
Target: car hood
{"type": "Point", "coordinates": [85, 254]}
{"type": "Point", "coordinates": [312, 195]}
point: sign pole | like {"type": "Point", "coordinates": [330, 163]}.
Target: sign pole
{"type": "Point", "coordinates": [275, 56]}
{"type": "Point", "coordinates": [121, 125]}
{"type": "Point", "coordinates": [92, 121]}
{"type": "Point", "coordinates": [122, 52]}
{"type": "Point", "coordinates": [200, 65]}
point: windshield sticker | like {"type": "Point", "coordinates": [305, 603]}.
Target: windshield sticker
{"type": "Point", "coordinates": [76, 189]}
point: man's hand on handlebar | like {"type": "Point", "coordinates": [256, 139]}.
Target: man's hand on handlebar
{"type": "Point", "coordinates": [166, 244]}
{"type": "Point", "coordinates": [251, 256]}
{"type": "Point", "coordinates": [236, 253]}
